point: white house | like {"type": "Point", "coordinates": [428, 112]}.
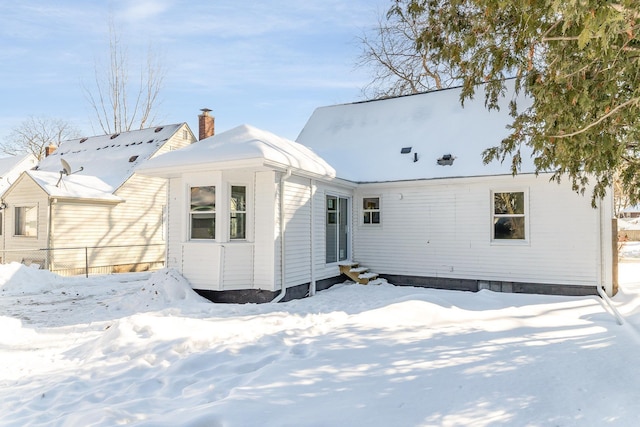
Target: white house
{"type": "Point", "coordinates": [229, 223]}
{"type": "Point", "coordinates": [397, 185]}
{"type": "Point", "coordinates": [85, 203]}
{"type": "Point", "coordinates": [10, 169]}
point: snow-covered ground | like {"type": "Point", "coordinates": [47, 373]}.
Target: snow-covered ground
{"type": "Point", "coordinates": [629, 223]}
{"type": "Point", "coordinates": [630, 251]}
{"type": "Point", "coordinates": [144, 350]}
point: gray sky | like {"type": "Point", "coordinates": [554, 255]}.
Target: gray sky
{"type": "Point", "coordinates": [268, 63]}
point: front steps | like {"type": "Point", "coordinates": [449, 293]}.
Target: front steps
{"type": "Point", "coordinates": [358, 274]}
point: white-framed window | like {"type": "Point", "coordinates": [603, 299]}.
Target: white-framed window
{"type": "Point", "coordinates": [371, 210]}
{"type": "Point", "coordinates": [509, 212]}
{"type": "Point", "coordinates": [26, 221]}
{"type": "Point", "coordinates": [202, 212]}
{"type": "Point", "coordinates": [238, 213]}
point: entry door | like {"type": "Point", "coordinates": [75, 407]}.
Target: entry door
{"type": "Point", "coordinates": [337, 229]}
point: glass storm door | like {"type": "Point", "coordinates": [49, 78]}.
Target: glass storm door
{"type": "Point", "coordinates": [337, 229]}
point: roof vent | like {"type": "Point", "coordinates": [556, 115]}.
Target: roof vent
{"type": "Point", "coordinates": [405, 150]}
{"type": "Point", "coordinates": [158, 129]}
{"type": "Point", "coordinates": [446, 160]}
{"type": "Point", "coordinates": [133, 159]}
{"type": "Point", "coordinates": [115, 135]}
{"type": "Point", "coordinates": [83, 140]}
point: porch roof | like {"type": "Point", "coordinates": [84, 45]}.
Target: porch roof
{"type": "Point", "coordinates": [243, 144]}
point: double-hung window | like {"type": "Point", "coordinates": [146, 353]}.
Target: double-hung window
{"type": "Point", "coordinates": [509, 216]}
{"type": "Point", "coordinates": [26, 221]}
{"type": "Point", "coordinates": [202, 212]}
{"type": "Point", "coordinates": [371, 210]}
{"type": "Point", "coordinates": [238, 213]}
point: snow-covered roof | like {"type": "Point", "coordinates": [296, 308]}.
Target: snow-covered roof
{"type": "Point", "coordinates": [11, 167]}
{"type": "Point", "coordinates": [242, 143]}
{"type": "Point", "coordinates": [107, 161]}
{"type": "Point", "coordinates": [73, 186]}
{"type": "Point", "coordinates": [363, 141]}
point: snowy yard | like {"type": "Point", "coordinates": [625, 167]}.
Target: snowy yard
{"type": "Point", "coordinates": [144, 350]}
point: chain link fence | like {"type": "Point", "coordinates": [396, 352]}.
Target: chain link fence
{"type": "Point", "coordinates": [89, 259]}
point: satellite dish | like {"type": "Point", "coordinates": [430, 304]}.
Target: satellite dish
{"type": "Point", "coordinates": [66, 169]}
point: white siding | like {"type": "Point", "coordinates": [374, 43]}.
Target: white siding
{"type": "Point", "coordinates": [25, 193]}
{"type": "Point", "coordinates": [237, 266]}
{"type": "Point", "coordinates": [297, 231]}
{"type": "Point", "coordinates": [442, 228]}
{"type": "Point", "coordinates": [177, 141]}
{"type": "Point", "coordinates": [266, 237]}
{"type": "Point", "coordinates": [134, 225]}
{"type": "Point", "coordinates": [201, 265]}
{"type": "Point", "coordinates": [176, 223]}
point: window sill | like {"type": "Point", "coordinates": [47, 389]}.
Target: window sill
{"type": "Point", "coordinates": [510, 242]}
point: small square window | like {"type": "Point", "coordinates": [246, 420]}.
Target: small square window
{"type": "Point", "coordinates": [371, 210]}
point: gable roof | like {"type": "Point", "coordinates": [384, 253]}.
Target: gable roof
{"type": "Point", "coordinates": [100, 164]}
{"type": "Point", "coordinates": [242, 143]}
{"type": "Point", "coordinates": [364, 140]}
{"type": "Point", "coordinates": [11, 168]}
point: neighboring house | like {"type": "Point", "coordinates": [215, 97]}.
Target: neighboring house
{"type": "Point", "coordinates": [10, 169]}
{"type": "Point", "coordinates": [630, 212]}
{"type": "Point", "coordinates": [410, 198]}
{"type": "Point", "coordinates": [86, 194]}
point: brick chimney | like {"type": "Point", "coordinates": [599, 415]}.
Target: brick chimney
{"type": "Point", "coordinates": [49, 149]}
{"type": "Point", "coordinates": [206, 124]}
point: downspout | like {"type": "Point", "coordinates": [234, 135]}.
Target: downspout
{"type": "Point", "coordinates": [608, 301]}
{"type": "Point", "coordinates": [312, 284]}
{"type": "Point", "coordinates": [283, 288]}
{"type": "Point", "coordinates": [50, 235]}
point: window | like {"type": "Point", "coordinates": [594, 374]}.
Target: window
{"type": "Point", "coordinates": [509, 216]}
{"type": "Point", "coordinates": [203, 212]}
{"type": "Point", "coordinates": [371, 210]}
{"type": "Point", "coordinates": [26, 218]}
{"type": "Point", "coordinates": [238, 213]}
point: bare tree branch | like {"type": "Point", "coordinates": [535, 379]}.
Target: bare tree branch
{"type": "Point", "coordinates": [35, 134]}
{"type": "Point", "coordinates": [119, 106]}
{"type": "Point", "coordinates": [398, 66]}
